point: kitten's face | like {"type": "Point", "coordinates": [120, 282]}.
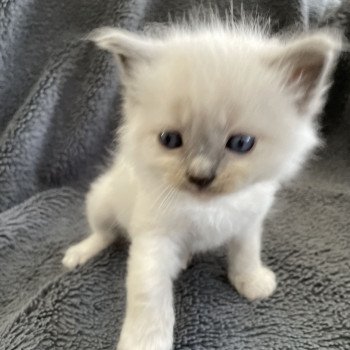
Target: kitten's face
{"type": "Point", "coordinates": [212, 127]}
{"type": "Point", "coordinates": [215, 111]}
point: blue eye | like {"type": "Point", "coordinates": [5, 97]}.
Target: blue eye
{"type": "Point", "coordinates": [240, 143]}
{"type": "Point", "coordinates": [170, 139]}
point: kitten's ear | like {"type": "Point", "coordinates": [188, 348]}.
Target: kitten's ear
{"type": "Point", "coordinates": [128, 48]}
{"type": "Point", "coordinates": [309, 62]}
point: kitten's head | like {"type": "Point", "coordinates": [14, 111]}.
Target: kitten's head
{"type": "Point", "coordinates": [212, 111]}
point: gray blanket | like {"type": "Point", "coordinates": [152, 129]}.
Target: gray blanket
{"type": "Point", "coordinates": [59, 107]}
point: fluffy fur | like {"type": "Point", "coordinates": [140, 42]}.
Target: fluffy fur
{"type": "Point", "coordinates": [207, 83]}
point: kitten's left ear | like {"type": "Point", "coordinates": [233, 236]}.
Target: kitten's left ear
{"type": "Point", "coordinates": [128, 48]}
{"type": "Point", "coordinates": [309, 62]}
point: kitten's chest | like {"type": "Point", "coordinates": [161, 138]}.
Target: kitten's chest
{"type": "Point", "coordinates": [213, 226]}
{"type": "Point", "coordinates": [210, 225]}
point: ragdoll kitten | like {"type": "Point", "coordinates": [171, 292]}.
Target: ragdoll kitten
{"type": "Point", "coordinates": [215, 119]}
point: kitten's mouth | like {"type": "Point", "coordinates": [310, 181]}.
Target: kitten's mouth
{"type": "Point", "coordinates": [199, 191]}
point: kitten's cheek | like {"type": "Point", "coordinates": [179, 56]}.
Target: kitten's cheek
{"type": "Point", "coordinates": [176, 179]}
{"type": "Point", "coordinates": [228, 184]}
{"type": "Point", "coordinates": [233, 178]}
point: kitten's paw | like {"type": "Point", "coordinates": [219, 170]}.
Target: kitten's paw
{"type": "Point", "coordinates": [153, 344]}
{"type": "Point", "coordinates": [157, 339]}
{"type": "Point", "coordinates": [76, 255]}
{"type": "Point", "coordinates": [259, 284]}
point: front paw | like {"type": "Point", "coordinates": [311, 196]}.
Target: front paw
{"type": "Point", "coordinates": [76, 255]}
{"type": "Point", "coordinates": [155, 342]}
{"type": "Point", "coordinates": [145, 339]}
{"type": "Point", "coordinates": [258, 284]}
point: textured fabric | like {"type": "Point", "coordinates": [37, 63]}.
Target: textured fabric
{"type": "Point", "coordinates": [59, 107]}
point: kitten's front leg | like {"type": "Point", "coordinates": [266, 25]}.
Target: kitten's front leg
{"type": "Point", "coordinates": [154, 261]}
{"type": "Point", "coordinates": [102, 221]}
{"type": "Point", "coordinates": [248, 275]}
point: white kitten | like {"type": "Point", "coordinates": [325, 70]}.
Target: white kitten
{"type": "Point", "coordinates": [215, 119]}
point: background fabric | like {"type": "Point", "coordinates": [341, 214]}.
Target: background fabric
{"type": "Point", "coordinates": [59, 108]}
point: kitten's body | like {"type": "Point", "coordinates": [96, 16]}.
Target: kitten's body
{"type": "Point", "coordinates": [200, 223]}
{"type": "Point", "coordinates": [194, 190]}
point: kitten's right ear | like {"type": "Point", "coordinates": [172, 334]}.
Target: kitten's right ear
{"type": "Point", "coordinates": [128, 48]}
{"type": "Point", "coordinates": [309, 61]}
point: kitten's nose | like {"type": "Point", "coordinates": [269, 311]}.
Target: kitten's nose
{"type": "Point", "coordinates": [201, 182]}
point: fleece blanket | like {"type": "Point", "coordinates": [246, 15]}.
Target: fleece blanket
{"type": "Point", "coordinates": [59, 108]}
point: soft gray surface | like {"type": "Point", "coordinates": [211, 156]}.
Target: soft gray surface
{"type": "Point", "coordinates": [58, 110]}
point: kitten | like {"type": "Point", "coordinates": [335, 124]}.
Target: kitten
{"type": "Point", "coordinates": [216, 118]}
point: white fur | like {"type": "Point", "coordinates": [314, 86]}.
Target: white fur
{"type": "Point", "coordinates": [247, 90]}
